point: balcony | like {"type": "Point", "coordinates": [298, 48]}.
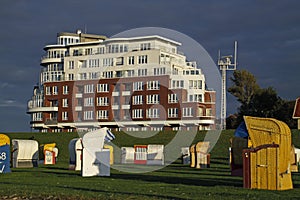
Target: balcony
{"type": "Point", "coordinates": [115, 94]}
{"type": "Point", "coordinates": [46, 59]}
{"type": "Point", "coordinates": [78, 95]}
{"type": "Point", "coordinates": [42, 109]}
{"type": "Point", "coordinates": [126, 93]}
{"type": "Point", "coordinates": [115, 107]}
{"type": "Point", "coordinates": [125, 107]}
{"type": "Point", "coordinates": [51, 122]}
{"type": "Point", "coordinates": [78, 108]}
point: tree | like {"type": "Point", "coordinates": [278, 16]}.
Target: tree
{"type": "Point", "coordinates": [244, 86]}
{"type": "Point", "coordinates": [264, 103]}
{"type": "Point", "coordinates": [258, 102]}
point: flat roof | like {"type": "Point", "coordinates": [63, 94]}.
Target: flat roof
{"type": "Point", "coordinates": [149, 37]}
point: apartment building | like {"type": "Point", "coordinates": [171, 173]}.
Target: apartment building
{"type": "Point", "coordinates": [131, 84]}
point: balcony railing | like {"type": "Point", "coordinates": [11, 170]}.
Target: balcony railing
{"type": "Point", "coordinates": [51, 121]}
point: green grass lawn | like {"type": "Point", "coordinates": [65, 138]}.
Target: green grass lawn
{"type": "Point", "coordinates": [175, 181]}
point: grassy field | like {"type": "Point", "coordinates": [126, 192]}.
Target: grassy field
{"type": "Point", "coordinates": [175, 181]}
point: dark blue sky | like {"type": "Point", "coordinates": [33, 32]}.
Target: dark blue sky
{"type": "Point", "coordinates": [268, 32]}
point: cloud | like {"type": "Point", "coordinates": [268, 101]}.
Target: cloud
{"type": "Point", "coordinates": [11, 103]}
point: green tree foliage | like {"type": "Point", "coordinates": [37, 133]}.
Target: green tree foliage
{"type": "Point", "coordinates": [258, 102]}
{"type": "Point", "coordinates": [244, 86]}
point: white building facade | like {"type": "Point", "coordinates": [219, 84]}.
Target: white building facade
{"type": "Point", "coordinates": [133, 84]}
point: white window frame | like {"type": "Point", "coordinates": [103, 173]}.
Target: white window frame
{"type": "Point", "coordinates": [176, 84]}
{"type": "Point", "coordinates": [138, 86]}
{"type": "Point", "coordinates": [102, 87]}
{"type": "Point", "coordinates": [102, 114]}
{"type": "Point", "coordinates": [89, 101]}
{"type": "Point", "coordinates": [102, 101]}
{"type": "Point", "coordinates": [142, 72]}
{"type": "Point", "coordinates": [130, 60]}
{"type": "Point", "coordinates": [195, 84]}
{"type": "Point", "coordinates": [153, 113]}
{"type": "Point", "coordinates": [71, 64]}
{"type": "Point", "coordinates": [137, 100]}
{"type": "Point", "coordinates": [48, 90]}
{"type": "Point", "coordinates": [153, 99]}
{"type": "Point", "coordinates": [159, 71]}
{"type": "Point", "coordinates": [153, 85]}
{"type": "Point", "coordinates": [65, 103]}
{"type": "Point", "coordinates": [55, 90]}
{"type": "Point", "coordinates": [64, 116]}
{"type": "Point", "coordinates": [196, 98]}
{"type": "Point", "coordinates": [65, 89]}
{"type": "Point", "coordinates": [89, 89]}
{"type": "Point", "coordinates": [88, 115]}
{"type": "Point", "coordinates": [172, 112]}
{"type": "Point", "coordinates": [172, 98]}
{"type": "Point", "coordinates": [142, 59]}
{"type": "Point", "coordinates": [70, 77]}
{"type": "Point", "coordinates": [137, 113]}
{"type": "Point", "coordinates": [187, 112]}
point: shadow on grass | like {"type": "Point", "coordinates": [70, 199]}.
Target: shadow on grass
{"type": "Point", "coordinates": [133, 194]}
{"type": "Point", "coordinates": [207, 177]}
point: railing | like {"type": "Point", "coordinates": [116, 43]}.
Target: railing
{"type": "Point", "coordinates": [51, 122]}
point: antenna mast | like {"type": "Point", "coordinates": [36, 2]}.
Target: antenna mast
{"type": "Point", "coordinates": [225, 64]}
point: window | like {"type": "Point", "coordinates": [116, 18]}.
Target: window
{"type": "Point", "coordinates": [187, 112]}
{"type": "Point", "coordinates": [102, 114]}
{"type": "Point", "coordinates": [100, 50]}
{"type": "Point", "coordinates": [130, 73]}
{"type": "Point", "coordinates": [143, 59]}
{"type": "Point", "coordinates": [65, 89]}
{"type": "Point", "coordinates": [64, 115]}
{"type": "Point", "coordinates": [208, 112]}
{"type": "Point", "coordinates": [138, 86]}
{"type": "Point", "coordinates": [82, 76]}
{"type": "Point", "coordinates": [94, 75]}
{"type": "Point", "coordinates": [108, 74]}
{"type": "Point", "coordinates": [54, 90]}
{"type": "Point", "coordinates": [131, 60]}
{"type": "Point", "coordinates": [103, 87]}
{"type": "Point", "coordinates": [119, 61]}
{"type": "Point", "coordinates": [195, 84]}
{"type": "Point", "coordinates": [89, 51]}
{"type": "Point", "coordinates": [89, 101]}
{"type": "Point", "coordinates": [120, 73]}
{"type": "Point", "coordinates": [172, 98]}
{"type": "Point", "coordinates": [93, 63]}
{"type": "Point", "coordinates": [65, 103]}
{"type": "Point", "coordinates": [195, 98]}
{"type": "Point", "coordinates": [48, 90]}
{"type": "Point", "coordinates": [172, 112]}
{"type": "Point", "coordinates": [153, 85]}
{"type": "Point", "coordinates": [89, 88]}
{"type": "Point", "coordinates": [137, 113]}
{"type": "Point", "coordinates": [153, 99]}
{"type": "Point", "coordinates": [88, 115]}
{"type": "Point", "coordinates": [153, 113]}
{"type": "Point", "coordinates": [102, 101]}
{"type": "Point", "coordinates": [136, 100]}
{"type": "Point", "coordinates": [142, 72]}
{"type": "Point", "coordinates": [177, 84]}
{"type": "Point", "coordinates": [160, 71]}
{"type": "Point", "coordinates": [145, 46]}
{"type": "Point", "coordinates": [107, 62]}
{"type": "Point", "coordinates": [37, 116]}
{"type": "Point", "coordinates": [71, 77]}
{"type": "Point", "coordinates": [71, 64]}
{"type": "Point", "coordinates": [164, 58]}
{"type": "Point", "coordinates": [84, 64]}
